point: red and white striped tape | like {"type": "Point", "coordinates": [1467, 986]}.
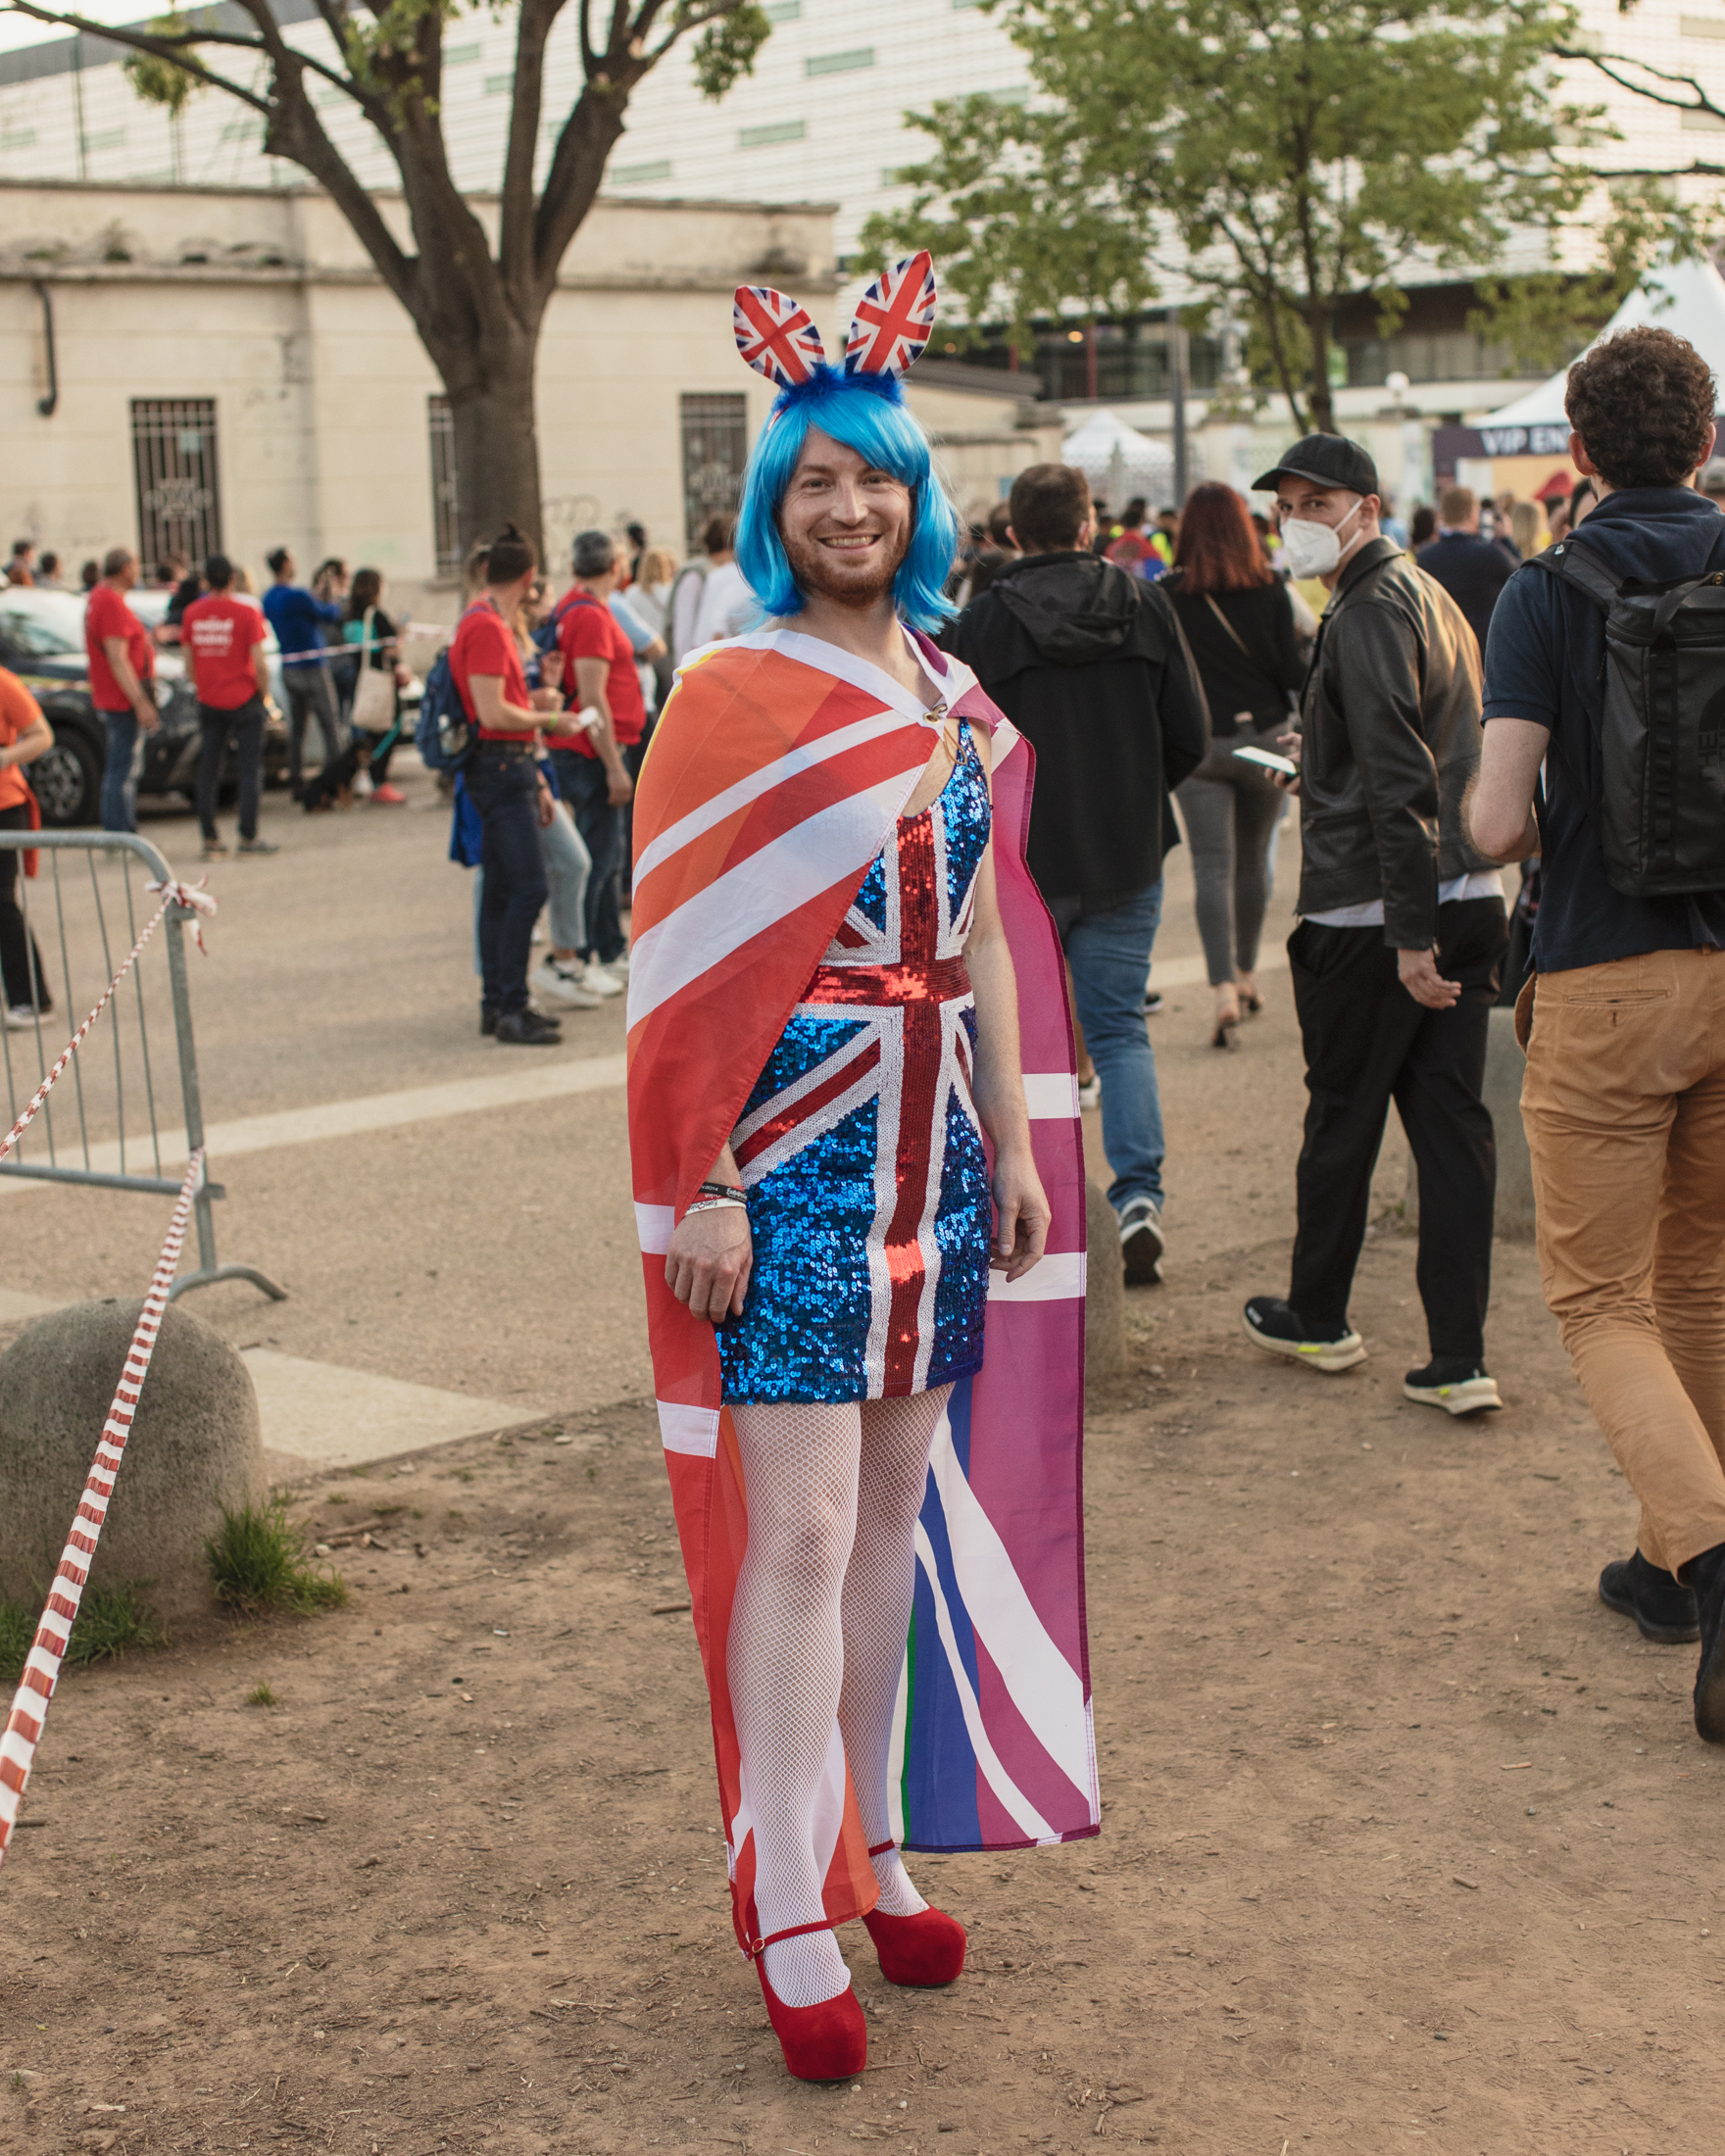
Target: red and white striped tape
{"type": "Point", "coordinates": [195, 899]}
{"type": "Point", "coordinates": [41, 1668]}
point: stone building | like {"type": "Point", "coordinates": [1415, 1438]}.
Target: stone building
{"type": "Point", "coordinates": [183, 369]}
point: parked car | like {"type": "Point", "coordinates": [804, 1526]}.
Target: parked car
{"type": "Point", "coordinates": [42, 642]}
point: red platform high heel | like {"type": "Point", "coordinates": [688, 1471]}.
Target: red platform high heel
{"type": "Point", "coordinates": [827, 2043]}
{"type": "Point", "coordinates": [924, 1951]}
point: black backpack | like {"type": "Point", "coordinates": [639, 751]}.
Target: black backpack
{"type": "Point", "coordinates": [1660, 814]}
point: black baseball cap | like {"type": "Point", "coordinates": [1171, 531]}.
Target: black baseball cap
{"type": "Point", "coordinates": [1327, 460]}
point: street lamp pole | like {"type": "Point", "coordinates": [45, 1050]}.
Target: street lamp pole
{"type": "Point", "coordinates": [1177, 399]}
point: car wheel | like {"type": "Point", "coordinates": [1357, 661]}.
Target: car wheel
{"type": "Point", "coordinates": [67, 783]}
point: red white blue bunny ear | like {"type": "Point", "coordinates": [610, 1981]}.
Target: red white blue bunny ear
{"type": "Point", "coordinates": [893, 319]}
{"type": "Point", "coordinates": [775, 335]}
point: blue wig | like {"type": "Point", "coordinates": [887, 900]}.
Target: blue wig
{"type": "Point", "coordinates": [868, 414]}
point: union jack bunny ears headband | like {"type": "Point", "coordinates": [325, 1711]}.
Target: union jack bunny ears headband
{"type": "Point", "coordinates": [888, 331]}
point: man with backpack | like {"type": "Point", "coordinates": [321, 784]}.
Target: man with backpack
{"type": "Point", "coordinates": [1607, 665]}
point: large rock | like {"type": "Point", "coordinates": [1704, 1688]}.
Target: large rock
{"type": "Point", "coordinates": [195, 1446]}
{"type": "Point", "coordinates": [1502, 1093]}
{"type": "Point", "coordinates": [1105, 1289]}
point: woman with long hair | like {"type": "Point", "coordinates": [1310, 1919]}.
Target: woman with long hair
{"type": "Point", "coordinates": [365, 625]}
{"type": "Point", "coordinates": [1239, 621]}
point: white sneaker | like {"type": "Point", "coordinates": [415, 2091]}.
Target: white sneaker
{"type": "Point", "coordinates": [561, 983]}
{"type": "Point", "coordinates": [20, 1017]}
{"type": "Point", "coordinates": [600, 980]}
{"type": "Point", "coordinates": [618, 969]}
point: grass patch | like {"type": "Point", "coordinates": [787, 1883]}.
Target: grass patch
{"type": "Point", "coordinates": [258, 1561]}
{"type": "Point", "coordinates": [261, 1696]}
{"type": "Point", "coordinates": [339, 1497]}
{"type": "Point", "coordinates": [110, 1620]}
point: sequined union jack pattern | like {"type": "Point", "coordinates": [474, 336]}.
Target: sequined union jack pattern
{"type": "Point", "coordinates": [867, 1179]}
{"type": "Point", "coordinates": [775, 335]}
{"type": "Point", "coordinates": [894, 319]}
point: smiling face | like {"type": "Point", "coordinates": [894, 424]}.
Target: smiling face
{"type": "Point", "coordinates": [845, 524]}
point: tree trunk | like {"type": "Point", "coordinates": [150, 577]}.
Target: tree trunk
{"type": "Point", "coordinates": [1323, 409]}
{"type": "Point", "coordinates": [491, 400]}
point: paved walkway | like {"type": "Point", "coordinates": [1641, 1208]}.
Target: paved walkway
{"type": "Point", "coordinates": [452, 1219]}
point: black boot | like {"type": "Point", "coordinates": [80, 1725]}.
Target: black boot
{"type": "Point", "coordinates": [1662, 1608]}
{"type": "Point", "coordinates": [1707, 1575]}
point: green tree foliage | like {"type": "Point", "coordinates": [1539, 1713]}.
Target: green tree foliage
{"type": "Point", "coordinates": [1279, 155]}
{"type": "Point", "coordinates": [477, 305]}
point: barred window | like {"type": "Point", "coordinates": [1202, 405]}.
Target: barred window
{"type": "Point", "coordinates": [174, 460]}
{"type": "Point", "coordinates": [446, 531]}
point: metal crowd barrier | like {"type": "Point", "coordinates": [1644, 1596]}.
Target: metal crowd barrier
{"type": "Point", "coordinates": [128, 1160]}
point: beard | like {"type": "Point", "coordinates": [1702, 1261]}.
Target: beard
{"type": "Point", "coordinates": [821, 574]}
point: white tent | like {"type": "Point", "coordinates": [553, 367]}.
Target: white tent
{"type": "Point", "coordinates": [1119, 461]}
{"type": "Point", "coordinates": [1687, 298]}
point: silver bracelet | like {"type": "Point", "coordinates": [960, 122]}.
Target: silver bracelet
{"type": "Point", "coordinates": [716, 1204]}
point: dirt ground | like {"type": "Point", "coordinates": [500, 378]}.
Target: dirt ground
{"type": "Point", "coordinates": [1406, 1841]}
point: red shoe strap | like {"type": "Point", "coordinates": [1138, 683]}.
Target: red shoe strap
{"type": "Point", "coordinates": [758, 1946]}
{"type": "Point", "coordinates": [881, 1847]}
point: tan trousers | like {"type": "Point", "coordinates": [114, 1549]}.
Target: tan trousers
{"type": "Point", "coordinates": [1624, 1104]}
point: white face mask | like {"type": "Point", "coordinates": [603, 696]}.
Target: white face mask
{"type": "Point", "coordinates": [1311, 549]}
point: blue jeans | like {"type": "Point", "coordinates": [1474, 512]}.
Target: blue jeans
{"type": "Point", "coordinates": [1108, 954]}
{"type": "Point", "coordinates": [503, 790]}
{"type": "Point", "coordinates": [120, 796]}
{"type": "Point", "coordinates": [565, 864]}
{"type": "Point", "coordinates": [583, 782]}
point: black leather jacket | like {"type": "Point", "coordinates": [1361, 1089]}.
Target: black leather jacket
{"type": "Point", "coordinates": [1390, 719]}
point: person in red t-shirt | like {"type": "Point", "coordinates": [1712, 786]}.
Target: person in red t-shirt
{"type": "Point", "coordinates": [25, 735]}
{"type": "Point", "coordinates": [223, 638]}
{"type": "Point", "coordinates": [121, 663]}
{"type": "Point", "coordinates": [593, 774]}
{"type": "Point", "coordinates": [1132, 548]}
{"type": "Point", "coordinates": [502, 780]}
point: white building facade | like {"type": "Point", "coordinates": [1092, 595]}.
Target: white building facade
{"type": "Point", "coordinates": [822, 119]}
{"type": "Point", "coordinates": [186, 369]}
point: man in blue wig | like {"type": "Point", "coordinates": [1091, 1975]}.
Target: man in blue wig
{"type": "Point", "coordinates": [832, 1152]}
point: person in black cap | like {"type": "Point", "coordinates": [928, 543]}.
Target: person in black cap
{"type": "Point", "coordinates": [1396, 955]}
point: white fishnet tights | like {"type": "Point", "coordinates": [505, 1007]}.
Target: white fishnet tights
{"type": "Point", "coordinates": [817, 1629]}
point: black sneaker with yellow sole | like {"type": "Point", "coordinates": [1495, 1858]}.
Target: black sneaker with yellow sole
{"type": "Point", "coordinates": [1276, 1326]}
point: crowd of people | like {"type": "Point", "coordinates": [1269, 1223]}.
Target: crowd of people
{"type": "Point", "coordinates": [1451, 716]}
{"type": "Point", "coordinates": [1479, 691]}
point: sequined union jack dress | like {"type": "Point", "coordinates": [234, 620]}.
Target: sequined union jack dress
{"type": "Point", "coordinates": [859, 1148]}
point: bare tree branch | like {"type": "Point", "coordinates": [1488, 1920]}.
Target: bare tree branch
{"type": "Point", "coordinates": [1608, 62]}
{"type": "Point", "coordinates": [159, 48]}
{"type": "Point", "coordinates": [514, 249]}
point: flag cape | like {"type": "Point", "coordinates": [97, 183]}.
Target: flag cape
{"type": "Point", "coordinates": [778, 772]}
